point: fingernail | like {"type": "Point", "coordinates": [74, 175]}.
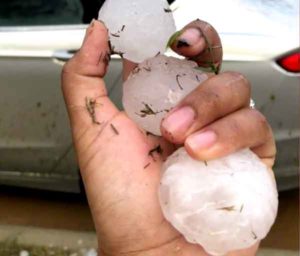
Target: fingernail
{"type": "Point", "coordinates": [182, 43]}
{"type": "Point", "coordinates": [89, 29]}
{"type": "Point", "coordinates": [189, 37]}
{"type": "Point", "coordinates": [92, 24]}
{"type": "Point", "coordinates": [179, 121]}
{"type": "Point", "coordinates": [202, 140]}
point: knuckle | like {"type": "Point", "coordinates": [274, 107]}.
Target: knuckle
{"type": "Point", "coordinates": [66, 72]}
{"type": "Point", "coordinates": [66, 69]}
{"type": "Point", "coordinates": [69, 67]}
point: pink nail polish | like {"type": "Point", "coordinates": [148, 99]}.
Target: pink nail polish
{"type": "Point", "coordinates": [201, 140]}
{"type": "Point", "coordinates": [179, 121]}
{"type": "Point", "coordinates": [191, 36]}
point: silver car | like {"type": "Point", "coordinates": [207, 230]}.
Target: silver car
{"type": "Point", "coordinates": [260, 38]}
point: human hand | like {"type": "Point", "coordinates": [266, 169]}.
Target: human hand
{"type": "Point", "coordinates": [120, 163]}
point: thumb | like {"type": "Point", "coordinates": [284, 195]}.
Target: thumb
{"type": "Point", "coordinates": [94, 55]}
{"type": "Point", "coordinates": [84, 90]}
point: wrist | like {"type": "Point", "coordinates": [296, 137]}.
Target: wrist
{"type": "Point", "coordinates": [178, 247]}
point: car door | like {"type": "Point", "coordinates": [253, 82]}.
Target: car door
{"type": "Point", "coordinates": [36, 38]}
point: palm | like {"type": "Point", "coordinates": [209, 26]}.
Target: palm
{"type": "Point", "coordinates": [128, 178]}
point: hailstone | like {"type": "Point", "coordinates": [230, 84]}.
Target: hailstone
{"type": "Point", "coordinates": [156, 86]}
{"type": "Point", "coordinates": [224, 205]}
{"type": "Point", "coordinates": [138, 29]}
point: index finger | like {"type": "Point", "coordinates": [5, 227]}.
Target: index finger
{"type": "Point", "coordinates": [199, 41]}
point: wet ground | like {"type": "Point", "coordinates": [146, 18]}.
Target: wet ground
{"type": "Point", "coordinates": [70, 212]}
{"type": "Point", "coordinates": [44, 209]}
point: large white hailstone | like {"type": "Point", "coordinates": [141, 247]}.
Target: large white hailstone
{"type": "Point", "coordinates": [224, 205]}
{"type": "Point", "coordinates": [138, 29]}
{"type": "Point", "coordinates": [156, 86]}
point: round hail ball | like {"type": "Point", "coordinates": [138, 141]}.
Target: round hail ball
{"type": "Point", "coordinates": [224, 205]}
{"type": "Point", "coordinates": [156, 86]}
{"type": "Point", "coordinates": [138, 29]}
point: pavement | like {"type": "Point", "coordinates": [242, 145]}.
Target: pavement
{"type": "Point", "coordinates": [71, 243]}
{"type": "Point", "coordinates": [50, 219]}
{"type": "Point", "coordinates": [67, 239]}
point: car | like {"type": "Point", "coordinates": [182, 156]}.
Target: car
{"type": "Point", "coordinates": [260, 40]}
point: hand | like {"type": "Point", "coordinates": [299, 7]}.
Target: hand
{"type": "Point", "coordinates": [121, 178]}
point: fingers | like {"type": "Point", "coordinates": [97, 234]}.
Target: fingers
{"type": "Point", "coordinates": [200, 42]}
{"type": "Point", "coordinates": [216, 97]}
{"type": "Point", "coordinates": [215, 120]}
{"type": "Point", "coordinates": [241, 129]}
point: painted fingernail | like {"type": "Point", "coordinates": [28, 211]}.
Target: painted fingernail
{"type": "Point", "coordinates": [202, 140]}
{"type": "Point", "coordinates": [180, 120]}
{"type": "Point", "coordinates": [182, 43]}
{"type": "Point", "coordinates": [189, 37]}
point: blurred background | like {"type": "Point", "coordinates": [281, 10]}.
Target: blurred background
{"type": "Point", "coordinates": [40, 186]}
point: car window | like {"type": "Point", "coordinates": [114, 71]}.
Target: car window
{"type": "Point", "coordinates": [40, 12]}
{"type": "Point", "coordinates": [264, 17]}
